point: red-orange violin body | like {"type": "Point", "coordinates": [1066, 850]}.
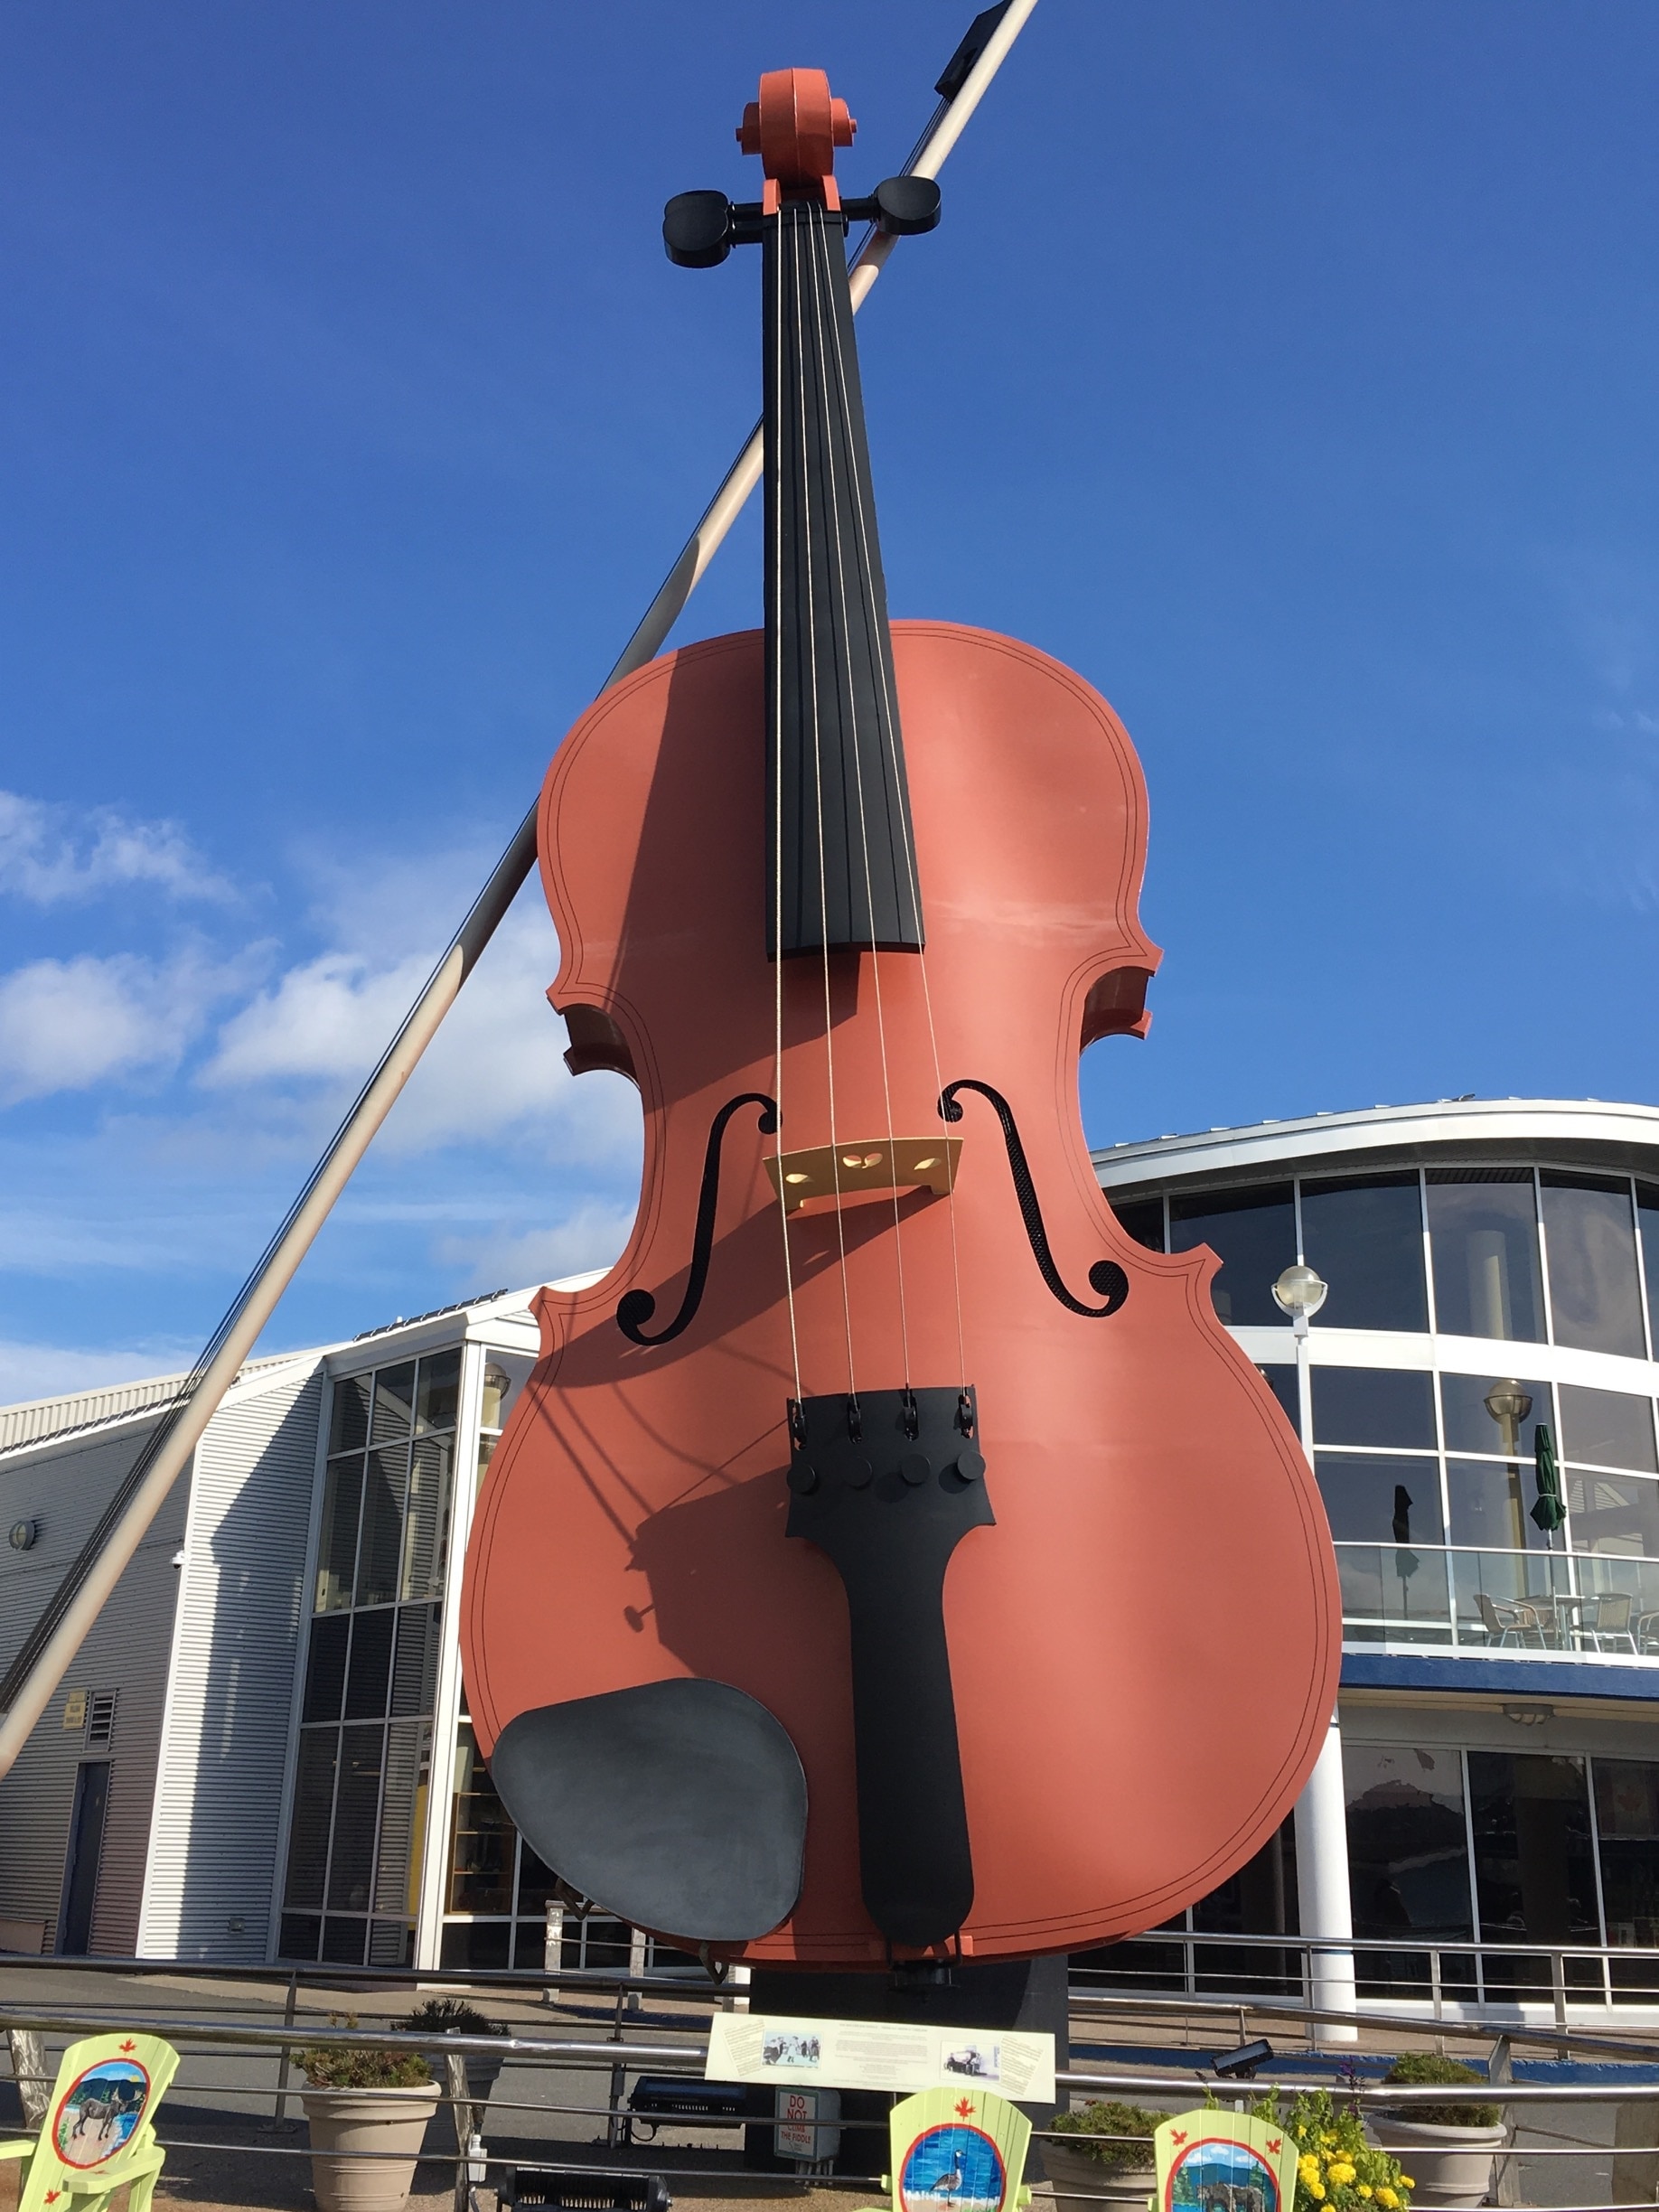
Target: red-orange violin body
{"type": "Point", "coordinates": [873, 1279]}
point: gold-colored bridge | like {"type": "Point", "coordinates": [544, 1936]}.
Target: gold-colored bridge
{"type": "Point", "coordinates": [858, 1166]}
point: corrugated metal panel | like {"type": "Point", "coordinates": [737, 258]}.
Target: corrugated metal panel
{"type": "Point", "coordinates": [63, 1486]}
{"type": "Point", "coordinates": [219, 1798]}
{"type": "Point", "coordinates": [50, 1417]}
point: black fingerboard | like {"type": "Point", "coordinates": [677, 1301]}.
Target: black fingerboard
{"type": "Point", "coordinates": [843, 871]}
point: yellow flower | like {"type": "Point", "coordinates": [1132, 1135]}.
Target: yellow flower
{"type": "Point", "coordinates": [1387, 2199]}
{"type": "Point", "coordinates": [1406, 2181]}
{"type": "Point", "coordinates": [1317, 2190]}
{"type": "Point", "coordinates": [1341, 2172]}
{"type": "Point", "coordinates": [1363, 2189]}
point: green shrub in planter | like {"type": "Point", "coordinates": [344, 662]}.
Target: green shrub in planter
{"type": "Point", "coordinates": [1107, 2119]}
{"type": "Point", "coordinates": [449, 2016]}
{"type": "Point", "coordinates": [1424, 2069]}
{"type": "Point", "coordinates": [345, 2065]}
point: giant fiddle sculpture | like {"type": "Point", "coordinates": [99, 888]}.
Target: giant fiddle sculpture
{"type": "Point", "coordinates": [889, 1558]}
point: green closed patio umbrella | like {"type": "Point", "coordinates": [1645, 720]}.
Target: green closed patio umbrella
{"type": "Point", "coordinates": [1549, 1512]}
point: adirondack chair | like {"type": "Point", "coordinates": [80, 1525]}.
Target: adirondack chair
{"type": "Point", "coordinates": [98, 2134]}
{"type": "Point", "coordinates": [958, 2150]}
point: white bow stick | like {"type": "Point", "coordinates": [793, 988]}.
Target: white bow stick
{"type": "Point", "coordinates": [50, 1646]}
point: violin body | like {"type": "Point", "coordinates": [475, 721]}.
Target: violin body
{"type": "Point", "coordinates": [1142, 1617]}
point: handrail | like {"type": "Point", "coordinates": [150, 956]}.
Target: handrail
{"type": "Point", "coordinates": [691, 2057]}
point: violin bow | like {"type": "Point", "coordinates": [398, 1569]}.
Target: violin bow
{"type": "Point", "coordinates": [47, 1652]}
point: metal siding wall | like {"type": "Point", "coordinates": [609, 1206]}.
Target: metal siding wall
{"type": "Point", "coordinates": [64, 1488]}
{"type": "Point", "coordinates": [218, 1804]}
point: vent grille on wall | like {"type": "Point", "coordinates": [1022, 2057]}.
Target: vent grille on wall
{"type": "Point", "coordinates": [101, 1720]}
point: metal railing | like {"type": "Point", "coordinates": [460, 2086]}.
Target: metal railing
{"type": "Point", "coordinates": [1577, 1604]}
{"type": "Point", "coordinates": [589, 2076]}
{"type": "Point", "coordinates": [1442, 1978]}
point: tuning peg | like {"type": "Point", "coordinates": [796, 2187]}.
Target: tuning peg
{"type": "Point", "coordinates": [697, 229]}
{"type": "Point", "coordinates": [905, 206]}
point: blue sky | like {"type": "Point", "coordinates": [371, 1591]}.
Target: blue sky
{"type": "Point", "coordinates": [1288, 370]}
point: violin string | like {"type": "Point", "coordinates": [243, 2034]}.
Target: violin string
{"type": "Point", "coordinates": [902, 801]}
{"type": "Point", "coordinates": [826, 316]}
{"type": "Point", "coordinates": [773, 448]}
{"type": "Point", "coordinates": [818, 786]}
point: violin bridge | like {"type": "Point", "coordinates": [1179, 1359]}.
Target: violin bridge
{"type": "Point", "coordinates": [863, 1164]}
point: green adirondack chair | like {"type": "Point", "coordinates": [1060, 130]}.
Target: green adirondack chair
{"type": "Point", "coordinates": [960, 2149]}
{"type": "Point", "coordinates": [98, 2134]}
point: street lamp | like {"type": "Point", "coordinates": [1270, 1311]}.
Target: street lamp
{"type": "Point", "coordinates": [1509, 1406]}
{"type": "Point", "coordinates": [1300, 1291]}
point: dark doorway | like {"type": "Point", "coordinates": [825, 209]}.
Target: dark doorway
{"type": "Point", "coordinates": [85, 1849]}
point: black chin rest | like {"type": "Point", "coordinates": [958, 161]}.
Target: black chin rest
{"type": "Point", "coordinates": [680, 1806]}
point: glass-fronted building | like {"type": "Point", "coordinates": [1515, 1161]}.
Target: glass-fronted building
{"type": "Point", "coordinates": [264, 1750]}
{"type": "Point", "coordinates": [1489, 1332]}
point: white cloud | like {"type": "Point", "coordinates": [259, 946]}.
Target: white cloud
{"type": "Point", "coordinates": [511, 1259]}
{"type": "Point", "coordinates": [496, 1066]}
{"type": "Point", "coordinates": [67, 1025]}
{"type": "Point", "coordinates": [30, 1371]}
{"type": "Point", "coordinates": [48, 858]}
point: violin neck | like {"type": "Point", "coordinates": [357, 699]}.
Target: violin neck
{"type": "Point", "coordinates": [843, 868]}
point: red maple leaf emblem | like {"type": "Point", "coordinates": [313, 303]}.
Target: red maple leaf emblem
{"type": "Point", "coordinates": [1273, 2146]}
{"type": "Point", "coordinates": [53, 2196]}
{"type": "Point", "coordinates": [1179, 2136]}
{"type": "Point", "coordinates": [129, 2045]}
{"type": "Point", "coordinates": [964, 2108]}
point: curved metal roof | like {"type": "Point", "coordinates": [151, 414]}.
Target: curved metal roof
{"type": "Point", "coordinates": [1587, 1132]}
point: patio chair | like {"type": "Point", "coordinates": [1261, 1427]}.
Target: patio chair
{"type": "Point", "coordinates": [98, 2134]}
{"type": "Point", "coordinates": [1505, 1623]}
{"type": "Point", "coordinates": [1605, 1623]}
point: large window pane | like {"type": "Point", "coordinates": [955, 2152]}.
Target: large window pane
{"type": "Point", "coordinates": [1365, 1238]}
{"type": "Point", "coordinates": [1607, 1428]}
{"type": "Point", "coordinates": [1627, 1816]}
{"type": "Point", "coordinates": [357, 1804]}
{"type": "Point", "coordinates": [337, 1538]}
{"type": "Point", "coordinates": [1408, 1855]}
{"type": "Point", "coordinates": [427, 1532]}
{"type": "Point", "coordinates": [1372, 1500]}
{"type": "Point", "coordinates": [1484, 1238]}
{"type": "Point", "coordinates": [394, 1403]}
{"type": "Point", "coordinates": [1614, 1512]}
{"type": "Point", "coordinates": [403, 1804]}
{"type": "Point", "coordinates": [439, 1392]}
{"type": "Point", "coordinates": [1489, 1505]}
{"type": "Point", "coordinates": [1260, 1900]}
{"type": "Point", "coordinates": [1281, 1378]}
{"type": "Point", "coordinates": [1372, 1405]}
{"type": "Point", "coordinates": [299, 1935]}
{"type": "Point", "coordinates": [481, 1837]}
{"type": "Point", "coordinates": [1471, 1426]}
{"type": "Point", "coordinates": [1595, 1298]}
{"type": "Point", "coordinates": [1253, 1234]}
{"type": "Point", "coordinates": [342, 1940]}
{"type": "Point", "coordinates": [1143, 1218]}
{"type": "Point", "coordinates": [349, 1421]}
{"type": "Point", "coordinates": [481, 1945]}
{"type": "Point", "coordinates": [415, 1669]}
{"type": "Point", "coordinates": [378, 1555]}
{"type": "Point", "coordinates": [1647, 1229]}
{"type": "Point", "coordinates": [325, 1668]}
{"type": "Point", "coordinates": [1534, 1874]}
{"type": "Point", "coordinates": [372, 1644]}
{"type": "Point", "coordinates": [314, 1803]}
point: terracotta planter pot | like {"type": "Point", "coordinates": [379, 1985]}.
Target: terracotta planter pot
{"type": "Point", "coordinates": [345, 2123]}
{"type": "Point", "coordinates": [1450, 2166]}
{"type": "Point", "coordinates": [1083, 2184]}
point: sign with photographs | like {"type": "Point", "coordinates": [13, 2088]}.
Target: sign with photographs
{"type": "Point", "coordinates": [845, 2054]}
